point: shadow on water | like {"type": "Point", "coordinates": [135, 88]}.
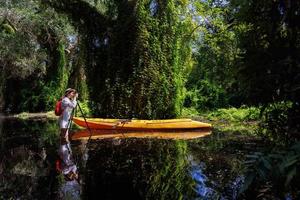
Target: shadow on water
{"type": "Point", "coordinates": [204, 168]}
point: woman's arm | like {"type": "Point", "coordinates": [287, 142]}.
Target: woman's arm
{"type": "Point", "coordinates": [69, 103]}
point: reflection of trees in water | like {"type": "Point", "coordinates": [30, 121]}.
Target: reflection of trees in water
{"type": "Point", "coordinates": [170, 180]}
{"type": "Point", "coordinates": [156, 169]}
{"type": "Point", "coordinates": [24, 173]}
{"type": "Point", "coordinates": [27, 158]}
{"type": "Point", "coordinates": [1, 142]}
{"type": "Point", "coordinates": [139, 169]}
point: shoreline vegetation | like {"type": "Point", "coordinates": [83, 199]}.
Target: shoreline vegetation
{"type": "Point", "coordinates": [27, 115]}
{"type": "Point", "coordinates": [242, 120]}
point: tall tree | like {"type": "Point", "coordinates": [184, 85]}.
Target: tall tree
{"type": "Point", "coordinates": [270, 63]}
{"type": "Point", "coordinates": [213, 79]}
{"type": "Point", "coordinates": [134, 58]}
{"type": "Point", "coordinates": [33, 57]}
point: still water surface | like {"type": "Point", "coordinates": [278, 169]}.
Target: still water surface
{"type": "Point", "coordinates": [149, 168]}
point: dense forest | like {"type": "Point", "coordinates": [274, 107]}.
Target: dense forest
{"type": "Point", "coordinates": [153, 59]}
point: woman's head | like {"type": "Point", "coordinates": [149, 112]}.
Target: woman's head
{"type": "Point", "coordinates": [70, 93]}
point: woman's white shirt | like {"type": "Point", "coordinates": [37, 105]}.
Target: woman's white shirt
{"type": "Point", "coordinates": [67, 105]}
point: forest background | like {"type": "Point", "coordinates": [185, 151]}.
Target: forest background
{"type": "Point", "coordinates": [156, 59]}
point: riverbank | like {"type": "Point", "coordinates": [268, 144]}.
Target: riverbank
{"type": "Point", "coordinates": [230, 120]}
{"type": "Point", "coordinates": [244, 120]}
{"type": "Point", "coordinates": [26, 115]}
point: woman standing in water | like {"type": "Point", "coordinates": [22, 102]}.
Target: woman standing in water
{"type": "Point", "coordinates": [68, 167]}
{"type": "Point", "coordinates": [68, 103]}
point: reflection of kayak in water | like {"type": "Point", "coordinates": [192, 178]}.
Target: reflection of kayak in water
{"type": "Point", "coordinates": [175, 134]}
{"type": "Point", "coordinates": [128, 124]}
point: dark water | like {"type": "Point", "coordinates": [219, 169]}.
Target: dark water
{"type": "Point", "coordinates": [204, 168]}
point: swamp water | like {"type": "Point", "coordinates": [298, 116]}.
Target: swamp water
{"type": "Point", "coordinates": [131, 168]}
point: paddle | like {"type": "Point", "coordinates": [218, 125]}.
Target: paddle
{"type": "Point", "coordinates": [87, 127]}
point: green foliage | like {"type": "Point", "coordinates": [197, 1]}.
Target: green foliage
{"type": "Point", "coordinates": [231, 121]}
{"type": "Point", "coordinates": [205, 96]}
{"type": "Point", "coordinates": [77, 78]}
{"type": "Point", "coordinates": [20, 56]}
{"type": "Point", "coordinates": [46, 93]}
{"type": "Point", "coordinates": [159, 76]}
{"type": "Point", "coordinates": [6, 28]}
{"type": "Point", "coordinates": [269, 64]}
{"type": "Point", "coordinates": [274, 125]}
{"type": "Point", "coordinates": [189, 112]}
{"type": "Point", "coordinates": [268, 73]}
{"type": "Point", "coordinates": [215, 53]}
{"type": "Point", "coordinates": [139, 59]}
{"type": "Point", "coordinates": [63, 73]}
{"type": "Point", "coordinates": [35, 64]}
{"type": "Point", "coordinates": [274, 172]}
{"type": "Point", "coordinates": [84, 105]}
{"type": "Point", "coordinates": [133, 59]}
{"type": "Point", "coordinates": [242, 120]}
{"type": "Point", "coordinates": [236, 114]}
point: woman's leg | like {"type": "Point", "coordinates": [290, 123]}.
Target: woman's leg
{"type": "Point", "coordinates": [64, 138]}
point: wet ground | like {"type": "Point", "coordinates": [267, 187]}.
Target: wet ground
{"type": "Point", "coordinates": [116, 168]}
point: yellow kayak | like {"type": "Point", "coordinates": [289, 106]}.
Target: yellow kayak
{"type": "Point", "coordinates": [128, 124]}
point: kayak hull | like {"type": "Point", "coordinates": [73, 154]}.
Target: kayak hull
{"type": "Point", "coordinates": [186, 134]}
{"type": "Point", "coordinates": [122, 124]}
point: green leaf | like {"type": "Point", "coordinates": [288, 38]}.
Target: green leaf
{"type": "Point", "coordinates": [248, 181]}
{"type": "Point", "coordinates": [296, 147]}
{"type": "Point", "coordinates": [266, 163]}
{"type": "Point", "coordinates": [291, 174]}
{"type": "Point", "coordinates": [290, 161]}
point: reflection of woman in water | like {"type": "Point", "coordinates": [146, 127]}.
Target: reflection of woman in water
{"type": "Point", "coordinates": [70, 189]}
{"type": "Point", "coordinates": [68, 167]}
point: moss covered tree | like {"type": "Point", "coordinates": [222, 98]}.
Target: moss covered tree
{"type": "Point", "coordinates": [134, 55]}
